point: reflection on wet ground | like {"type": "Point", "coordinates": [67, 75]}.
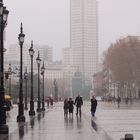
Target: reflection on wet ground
{"type": "Point", "coordinates": [82, 125]}
{"type": "Point", "coordinates": [69, 122]}
{"type": "Point", "coordinates": [43, 114]}
{"type": "Point", "coordinates": [79, 122]}
{"type": "Point", "coordinates": [94, 125]}
{"type": "Point", "coordinates": [32, 122]}
{"type": "Point", "coordinates": [21, 131]}
{"type": "Point", "coordinates": [39, 116]}
{"type": "Point", "coordinates": [103, 135]}
{"type": "Point", "coordinates": [54, 125]}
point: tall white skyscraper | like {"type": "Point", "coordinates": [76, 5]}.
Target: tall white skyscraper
{"type": "Point", "coordinates": [84, 36]}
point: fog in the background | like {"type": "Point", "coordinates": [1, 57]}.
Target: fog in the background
{"type": "Point", "coordinates": [47, 21]}
{"type": "Point", "coordinates": [44, 21]}
{"type": "Point", "coordinates": [117, 18]}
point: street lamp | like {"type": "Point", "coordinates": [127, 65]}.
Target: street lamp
{"type": "Point", "coordinates": [55, 90]}
{"type": "Point", "coordinates": [3, 22]}
{"type": "Point", "coordinates": [42, 73]}
{"type": "Point", "coordinates": [31, 52]}
{"type": "Point", "coordinates": [21, 117]}
{"type": "Point", "coordinates": [38, 60]}
{"type": "Point", "coordinates": [118, 89]}
{"type": "Point", "coordinates": [9, 73]}
{"type": "Point", "coordinates": [26, 78]}
{"type": "Point", "coordinates": [114, 90]}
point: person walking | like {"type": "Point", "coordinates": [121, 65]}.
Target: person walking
{"type": "Point", "coordinates": [66, 107]}
{"type": "Point", "coordinates": [118, 101]}
{"type": "Point", "coordinates": [71, 106]}
{"type": "Point", "coordinates": [78, 103]}
{"type": "Point", "coordinates": [51, 101]}
{"type": "Point", "coordinates": [93, 106]}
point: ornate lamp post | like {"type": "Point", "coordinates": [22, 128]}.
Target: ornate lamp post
{"type": "Point", "coordinates": [114, 85]}
{"type": "Point", "coordinates": [9, 73]}
{"type": "Point", "coordinates": [42, 73]}
{"type": "Point", "coordinates": [38, 60]}
{"type": "Point", "coordinates": [31, 52]}
{"type": "Point", "coordinates": [26, 78]}
{"type": "Point", "coordinates": [21, 117]}
{"type": "Point", "coordinates": [3, 22]}
{"type": "Point", "coordinates": [55, 90]}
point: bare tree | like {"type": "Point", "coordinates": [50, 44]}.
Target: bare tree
{"type": "Point", "coordinates": [123, 59]}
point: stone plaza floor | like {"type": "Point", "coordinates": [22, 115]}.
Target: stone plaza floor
{"type": "Point", "coordinates": [109, 123]}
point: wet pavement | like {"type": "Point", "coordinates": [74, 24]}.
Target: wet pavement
{"type": "Point", "coordinates": [116, 122]}
{"type": "Point", "coordinates": [52, 125]}
{"type": "Point", "coordinates": [110, 123]}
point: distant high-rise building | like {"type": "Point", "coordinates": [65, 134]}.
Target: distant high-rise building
{"type": "Point", "coordinates": [84, 37]}
{"type": "Point", "coordinates": [13, 55]}
{"type": "Point", "coordinates": [66, 56]}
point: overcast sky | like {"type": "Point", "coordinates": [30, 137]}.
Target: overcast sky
{"type": "Point", "coordinates": [47, 22]}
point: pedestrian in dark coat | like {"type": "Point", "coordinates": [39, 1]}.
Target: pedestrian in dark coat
{"type": "Point", "coordinates": [93, 106]}
{"type": "Point", "coordinates": [118, 101]}
{"type": "Point", "coordinates": [78, 103]}
{"type": "Point", "coordinates": [71, 106]}
{"type": "Point", "coordinates": [51, 101]}
{"type": "Point", "coordinates": [66, 107]}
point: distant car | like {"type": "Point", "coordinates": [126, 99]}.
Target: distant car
{"type": "Point", "coordinates": [99, 98]}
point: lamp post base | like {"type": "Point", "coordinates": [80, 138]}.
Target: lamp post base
{"type": "Point", "coordinates": [31, 112]}
{"type": "Point", "coordinates": [26, 108]}
{"type": "Point", "coordinates": [39, 110]}
{"type": "Point", "coordinates": [43, 109]}
{"type": "Point", "coordinates": [21, 118]}
{"type": "Point", "coordinates": [4, 129]}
